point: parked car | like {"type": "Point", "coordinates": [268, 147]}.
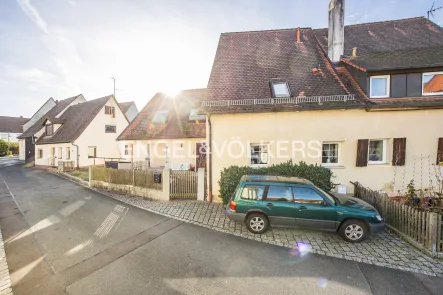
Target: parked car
{"type": "Point", "coordinates": [263, 201]}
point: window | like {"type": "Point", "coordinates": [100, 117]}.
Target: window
{"type": "Point", "coordinates": [4, 136]}
{"type": "Point", "coordinates": [128, 150]}
{"type": "Point", "coordinates": [279, 194]}
{"type": "Point", "coordinates": [259, 155]}
{"type": "Point", "coordinates": [330, 153]}
{"type": "Point", "coordinates": [60, 153]}
{"type": "Point", "coordinates": [110, 129]}
{"type": "Point", "coordinates": [377, 152]}
{"type": "Point", "coordinates": [160, 117]}
{"type": "Point", "coordinates": [193, 116]}
{"type": "Point", "coordinates": [40, 154]}
{"type": "Point", "coordinates": [379, 86]}
{"type": "Point", "coordinates": [68, 153]}
{"type": "Point", "coordinates": [280, 89]}
{"type": "Point", "coordinates": [92, 152]}
{"type": "Point", "coordinates": [49, 130]}
{"type": "Point", "coordinates": [307, 196]}
{"type": "Point", "coordinates": [253, 192]}
{"type": "Point", "coordinates": [109, 110]}
{"type": "Point", "coordinates": [432, 83]}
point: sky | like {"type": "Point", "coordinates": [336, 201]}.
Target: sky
{"type": "Point", "coordinates": [61, 48]}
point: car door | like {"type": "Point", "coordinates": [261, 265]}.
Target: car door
{"type": "Point", "coordinates": [279, 205]}
{"type": "Point", "coordinates": [312, 210]}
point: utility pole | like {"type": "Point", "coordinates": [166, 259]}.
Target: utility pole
{"type": "Point", "coordinates": [114, 85]}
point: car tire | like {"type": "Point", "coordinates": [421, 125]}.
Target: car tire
{"type": "Point", "coordinates": [353, 231]}
{"type": "Point", "coordinates": [257, 223]}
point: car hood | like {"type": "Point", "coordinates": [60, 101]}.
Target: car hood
{"type": "Point", "coordinates": [354, 203]}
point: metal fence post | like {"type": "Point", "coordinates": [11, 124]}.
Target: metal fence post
{"type": "Point", "coordinates": [90, 176]}
{"type": "Point", "coordinates": [201, 184]}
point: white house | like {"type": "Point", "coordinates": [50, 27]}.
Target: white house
{"type": "Point", "coordinates": [130, 110]}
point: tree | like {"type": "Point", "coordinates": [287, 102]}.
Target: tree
{"type": "Point", "coordinates": [13, 148]}
{"type": "Point", "coordinates": [3, 148]}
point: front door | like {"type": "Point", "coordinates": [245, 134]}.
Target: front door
{"type": "Point", "coordinates": [52, 160]}
{"type": "Point", "coordinates": [312, 210]}
{"type": "Point", "coordinates": [29, 149]}
{"type": "Point", "coordinates": [279, 205]}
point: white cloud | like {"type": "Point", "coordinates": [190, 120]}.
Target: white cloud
{"type": "Point", "coordinates": [33, 14]}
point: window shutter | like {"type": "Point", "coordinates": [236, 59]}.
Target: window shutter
{"type": "Point", "coordinates": [440, 150]}
{"type": "Point", "coordinates": [362, 152]}
{"type": "Point", "coordinates": [399, 152]}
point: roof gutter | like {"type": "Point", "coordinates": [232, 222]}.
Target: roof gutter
{"type": "Point", "coordinates": [78, 156]}
{"type": "Point", "coordinates": [210, 159]}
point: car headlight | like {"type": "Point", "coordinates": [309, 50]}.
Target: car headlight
{"type": "Point", "coordinates": [378, 217]}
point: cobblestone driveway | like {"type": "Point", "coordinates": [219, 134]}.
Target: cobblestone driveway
{"type": "Point", "coordinates": [383, 249]}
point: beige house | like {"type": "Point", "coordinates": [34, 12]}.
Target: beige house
{"type": "Point", "coordinates": [129, 109]}
{"type": "Point", "coordinates": [85, 134]}
{"type": "Point", "coordinates": [168, 132]}
{"type": "Point", "coordinates": [367, 107]}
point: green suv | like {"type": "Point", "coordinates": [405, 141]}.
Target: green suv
{"type": "Point", "coordinates": [262, 201]}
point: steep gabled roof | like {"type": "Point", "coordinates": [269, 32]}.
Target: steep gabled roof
{"type": "Point", "coordinates": [75, 120]}
{"type": "Point", "coordinates": [52, 113]}
{"type": "Point", "coordinates": [397, 44]}
{"type": "Point", "coordinates": [177, 124]}
{"type": "Point", "coordinates": [246, 63]}
{"type": "Point", "coordinates": [12, 124]}
{"type": "Point", "coordinates": [125, 105]}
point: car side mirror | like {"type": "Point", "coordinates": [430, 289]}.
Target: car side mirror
{"type": "Point", "coordinates": [326, 204]}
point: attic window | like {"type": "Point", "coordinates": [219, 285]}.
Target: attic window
{"type": "Point", "coordinates": [433, 83]}
{"type": "Point", "coordinates": [49, 129]}
{"type": "Point", "coordinates": [160, 117]}
{"type": "Point", "coordinates": [194, 116]}
{"type": "Point", "coordinates": [280, 89]}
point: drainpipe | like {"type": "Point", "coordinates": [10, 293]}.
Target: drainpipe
{"type": "Point", "coordinates": [210, 159]}
{"type": "Point", "coordinates": [78, 156]}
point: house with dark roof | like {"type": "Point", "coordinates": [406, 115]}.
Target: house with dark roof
{"type": "Point", "coordinates": [52, 109]}
{"type": "Point", "coordinates": [168, 132]}
{"type": "Point", "coordinates": [130, 109]}
{"type": "Point", "coordinates": [363, 100]}
{"type": "Point", "coordinates": [11, 127]}
{"type": "Point", "coordinates": [83, 134]}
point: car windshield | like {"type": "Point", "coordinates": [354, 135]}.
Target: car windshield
{"type": "Point", "coordinates": [330, 196]}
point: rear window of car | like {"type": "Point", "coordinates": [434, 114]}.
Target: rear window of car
{"type": "Point", "coordinates": [279, 194]}
{"type": "Point", "coordinates": [252, 192]}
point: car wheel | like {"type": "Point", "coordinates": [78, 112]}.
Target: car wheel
{"type": "Point", "coordinates": [257, 223]}
{"type": "Point", "coordinates": [353, 231]}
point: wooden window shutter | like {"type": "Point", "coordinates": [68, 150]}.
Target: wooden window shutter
{"type": "Point", "coordinates": [399, 152]}
{"type": "Point", "coordinates": [362, 152]}
{"type": "Point", "coordinates": [440, 150]}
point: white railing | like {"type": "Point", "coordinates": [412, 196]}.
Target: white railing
{"type": "Point", "coordinates": [279, 100]}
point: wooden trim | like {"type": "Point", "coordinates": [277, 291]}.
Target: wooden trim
{"type": "Point", "coordinates": [440, 150]}
{"type": "Point", "coordinates": [362, 153]}
{"type": "Point", "coordinates": [399, 152]}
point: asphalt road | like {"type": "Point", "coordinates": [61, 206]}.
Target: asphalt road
{"type": "Point", "coordinates": [9, 161]}
{"type": "Point", "coordinates": [62, 238]}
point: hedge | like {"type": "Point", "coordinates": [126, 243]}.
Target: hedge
{"type": "Point", "coordinates": [230, 177]}
{"type": "Point", "coordinates": [3, 148]}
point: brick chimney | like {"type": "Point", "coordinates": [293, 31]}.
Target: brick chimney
{"type": "Point", "coordinates": [336, 30]}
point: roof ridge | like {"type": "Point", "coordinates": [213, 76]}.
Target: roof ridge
{"type": "Point", "coordinates": [383, 21]}
{"type": "Point", "coordinates": [268, 30]}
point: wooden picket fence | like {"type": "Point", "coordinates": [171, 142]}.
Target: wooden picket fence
{"type": "Point", "coordinates": [419, 225]}
{"type": "Point", "coordinates": [183, 185]}
{"type": "Point", "coordinates": [141, 178]}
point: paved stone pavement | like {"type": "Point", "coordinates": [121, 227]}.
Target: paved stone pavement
{"type": "Point", "coordinates": [382, 249]}
{"type": "Point", "coordinates": [5, 280]}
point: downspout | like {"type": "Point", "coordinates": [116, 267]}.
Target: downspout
{"type": "Point", "coordinates": [210, 159]}
{"type": "Point", "coordinates": [78, 156]}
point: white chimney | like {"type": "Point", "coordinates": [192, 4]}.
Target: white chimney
{"type": "Point", "coordinates": [336, 30]}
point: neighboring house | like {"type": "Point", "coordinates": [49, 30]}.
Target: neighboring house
{"type": "Point", "coordinates": [84, 134]}
{"type": "Point", "coordinates": [168, 132]}
{"type": "Point", "coordinates": [48, 105]}
{"type": "Point", "coordinates": [130, 110]}
{"type": "Point", "coordinates": [28, 137]}
{"type": "Point", "coordinates": [11, 127]}
{"type": "Point", "coordinates": [364, 103]}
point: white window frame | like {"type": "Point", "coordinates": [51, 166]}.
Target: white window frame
{"type": "Point", "coordinates": [280, 82]}
{"type": "Point", "coordinates": [388, 86]}
{"type": "Point", "coordinates": [95, 152]}
{"type": "Point", "coordinates": [128, 149]}
{"type": "Point", "coordinates": [338, 155]}
{"type": "Point", "coordinates": [423, 84]}
{"type": "Point", "coordinates": [40, 154]}
{"type": "Point", "coordinates": [250, 154]}
{"type": "Point", "coordinates": [383, 161]}
{"type": "Point", "coordinates": [68, 153]}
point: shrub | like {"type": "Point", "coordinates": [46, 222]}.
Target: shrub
{"type": "Point", "coordinates": [3, 148]}
{"type": "Point", "coordinates": [13, 148]}
{"type": "Point", "coordinates": [230, 177]}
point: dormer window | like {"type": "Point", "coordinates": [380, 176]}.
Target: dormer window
{"type": "Point", "coordinates": [280, 89]}
{"type": "Point", "coordinates": [49, 129]}
{"type": "Point", "coordinates": [432, 83]}
{"type": "Point", "coordinates": [160, 117]}
{"type": "Point", "coordinates": [194, 116]}
{"type": "Point", "coordinates": [379, 86]}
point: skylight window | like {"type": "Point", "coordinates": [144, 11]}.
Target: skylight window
{"type": "Point", "coordinates": [280, 89]}
{"type": "Point", "coordinates": [194, 116]}
{"type": "Point", "coordinates": [160, 117]}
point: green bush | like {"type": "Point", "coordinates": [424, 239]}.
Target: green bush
{"type": "Point", "coordinates": [13, 148]}
{"type": "Point", "coordinates": [230, 177]}
{"type": "Point", "coordinates": [3, 148]}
